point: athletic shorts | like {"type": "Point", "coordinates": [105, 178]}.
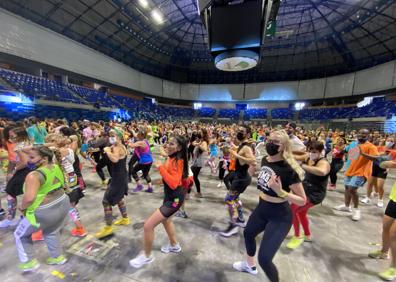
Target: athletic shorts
{"type": "Point", "coordinates": [354, 181]}
{"type": "Point", "coordinates": [170, 207]}
{"type": "Point", "coordinates": [75, 195]}
{"type": "Point", "coordinates": [240, 184]}
{"type": "Point", "coordinates": [379, 172]}
{"type": "Point", "coordinates": [391, 209]}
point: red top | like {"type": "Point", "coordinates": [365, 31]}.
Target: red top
{"type": "Point", "coordinates": [337, 153]}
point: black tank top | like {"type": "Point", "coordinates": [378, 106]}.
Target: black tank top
{"type": "Point", "coordinates": [315, 186]}
{"type": "Point", "coordinates": [241, 169]}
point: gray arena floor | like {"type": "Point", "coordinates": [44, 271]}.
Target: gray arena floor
{"type": "Point", "coordinates": [338, 253]}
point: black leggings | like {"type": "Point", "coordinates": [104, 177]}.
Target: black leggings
{"type": "Point", "coordinates": [76, 165]}
{"type": "Point", "coordinates": [222, 170]}
{"type": "Point", "coordinates": [134, 159]}
{"type": "Point", "coordinates": [96, 156]}
{"type": "Point", "coordinates": [335, 166]}
{"type": "Point", "coordinates": [145, 168]}
{"type": "Point", "coordinates": [275, 220]}
{"type": "Point", "coordinates": [195, 170]}
{"type": "Point", "coordinates": [104, 161]}
{"type": "Point", "coordinates": [190, 151]}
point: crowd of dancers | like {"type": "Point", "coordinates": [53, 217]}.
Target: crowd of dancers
{"type": "Point", "coordinates": [43, 160]}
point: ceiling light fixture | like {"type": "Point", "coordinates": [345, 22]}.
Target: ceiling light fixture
{"type": "Point", "coordinates": [156, 15]}
{"type": "Point", "coordinates": [143, 3]}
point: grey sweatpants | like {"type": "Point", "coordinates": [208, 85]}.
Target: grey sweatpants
{"type": "Point", "coordinates": [51, 218]}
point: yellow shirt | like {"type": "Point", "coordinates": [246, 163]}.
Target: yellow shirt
{"type": "Point", "coordinates": [392, 194]}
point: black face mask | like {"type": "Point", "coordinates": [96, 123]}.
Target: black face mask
{"type": "Point", "coordinates": [272, 149]}
{"type": "Point", "coordinates": [362, 140]}
{"type": "Point", "coordinates": [289, 132]}
{"type": "Point", "coordinates": [240, 136]}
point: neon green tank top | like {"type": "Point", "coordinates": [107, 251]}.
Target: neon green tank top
{"type": "Point", "coordinates": [50, 184]}
{"type": "Point", "coordinates": [392, 194]}
{"type": "Point", "coordinates": [151, 140]}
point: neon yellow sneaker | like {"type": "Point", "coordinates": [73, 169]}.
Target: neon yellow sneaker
{"type": "Point", "coordinates": [57, 261]}
{"type": "Point", "coordinates": [122, 221]}
{"type": "Point", "coordinates": [295, 242]}
{"type": "Point", "coordinates": [106, 231]}
{"type": "Point", "coordinates": [29, 266]}
{"type": "Point", "coordinates": [378, 255]}
{"type": "Point", "coordinates": [389, 274]}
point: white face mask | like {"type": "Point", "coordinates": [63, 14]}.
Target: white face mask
{"type": "Point", "coordinates": [112, 140]}
{"type": "Point", "coordinates": [313, 156]}
{"type": "Point", "coordinates": [388, 144]}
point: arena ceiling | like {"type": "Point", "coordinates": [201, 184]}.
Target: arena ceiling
{"type": "Point", "coordinates": [314, 38]}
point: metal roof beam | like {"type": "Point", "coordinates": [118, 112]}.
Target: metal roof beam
{"type": "Point", "coordinates": [337, 41]}
{"type": "Point", "coordinates": [360, 25]}
{"type": "Point", "coordinates": [362, 8]}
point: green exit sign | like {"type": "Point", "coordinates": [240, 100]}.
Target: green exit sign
{"type": "Point", "coordinates": [271, 28]}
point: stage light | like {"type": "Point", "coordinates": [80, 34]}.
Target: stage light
{"type": "Point", "coordinates": [144, 3]}
{"type": "Point", "coordinates": [156, 15]}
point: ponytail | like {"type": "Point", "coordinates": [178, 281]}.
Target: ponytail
{"type": "Point", "coordinates": [287, 153]}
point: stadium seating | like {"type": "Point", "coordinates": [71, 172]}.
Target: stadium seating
{"type": "Point", "coordinates": [379, 107]}
{"type": "Point", "coordinates": [282, 113]}
{"type": "Point", "coordinates": [33, 87]}
{"type": "Point", "coordinates": [229, 113]}
{"type": "Point", "coordinates": [206, 112]}
{"type": "Point", "coordinates": [93, 96]}
{"type": "Point", "coordinates": [255, 114]}
{"type": "Point", "coordinates": [20, 111]}
{"type": "Point", "coordinates": [38, 87]}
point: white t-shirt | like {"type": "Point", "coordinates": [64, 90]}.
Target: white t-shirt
{"type": "Point", "coordinates": [297, 144]}
{"type": "Point", "coordinates": [67, 162]}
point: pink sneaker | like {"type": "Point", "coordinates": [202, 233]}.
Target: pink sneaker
{"type": "Point", "coordinates": [331, 187]}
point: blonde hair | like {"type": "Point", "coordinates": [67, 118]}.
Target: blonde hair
{"type": "Point", "coordinates": [287, 152]}
{"type": "Point", "coordinates": [58, 139]}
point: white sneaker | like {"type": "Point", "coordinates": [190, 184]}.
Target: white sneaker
{"type": "Point", "coordinates": [242, 266]}
{"type": "Point", "coordinates": [343, 208]}
{"type": "Point", "coordinates": [380, 203]}
{"type": "Point", "coordinates": [220, 184]}
{"type": "Point", "coordinates": [356, 215]}
{"type": "Point", "coordinates": [140, 261]}
{"type": "Point", "coordinates": [366, 200]}
{"type": "Point", "coordinates": [9, 223]}
{"type": "Point", "coordinates": [171, 249]}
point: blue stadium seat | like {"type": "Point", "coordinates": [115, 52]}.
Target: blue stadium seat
{"type": "Point", "coordinates": [255, 114]}
{"type": "Point", "coordinates": [38, 87]}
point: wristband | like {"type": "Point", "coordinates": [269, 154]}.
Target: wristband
{"type": "Point", "coordinates": [283, 194]}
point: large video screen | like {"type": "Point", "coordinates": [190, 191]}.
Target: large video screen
{"type": "Point", "coordinates": [236, 26]}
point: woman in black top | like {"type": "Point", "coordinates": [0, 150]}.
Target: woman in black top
{"type": "Point", "coordinates": [317, 170]}
{"type": "Point", "coordinates": [117, 187]}
{"type": "Point", "coordinates": [279, 183]}
{"type": "Point", "coordinates": [238, 180]}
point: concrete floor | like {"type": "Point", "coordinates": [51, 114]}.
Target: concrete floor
{"type": "Point", "coordinates": [338, 253]}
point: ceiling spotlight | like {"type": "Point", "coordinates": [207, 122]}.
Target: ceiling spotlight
{"type": "Point", "coordinates": [157, 16]}
{"type": "Point", "coordinates": [143, 3]}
